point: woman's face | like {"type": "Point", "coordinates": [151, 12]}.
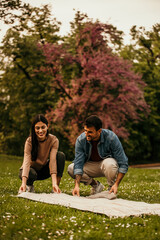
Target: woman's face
{"type": "Point", "coordinates": [41, 130]}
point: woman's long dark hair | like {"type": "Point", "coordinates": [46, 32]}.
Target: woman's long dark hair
{"type": "Point", "coordinates": [34, 151]}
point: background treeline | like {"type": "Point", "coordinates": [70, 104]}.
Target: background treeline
{"type": "Point", "coordinates": [88, 71]}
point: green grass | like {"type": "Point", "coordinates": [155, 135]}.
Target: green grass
{"type": "Point", "coordinates": [25, 219]}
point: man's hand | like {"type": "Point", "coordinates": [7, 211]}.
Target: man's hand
{"type": "Point", "coordinates": [76, 188]}
{"type": "Point", "coordinates": [114, 189]}
{"type": "Point", "coordinates": [76, 191]}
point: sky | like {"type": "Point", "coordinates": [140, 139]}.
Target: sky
{"type": "Point", "coordinates": [123, 14]}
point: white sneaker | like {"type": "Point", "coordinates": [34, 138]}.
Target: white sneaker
{"type": "Point", "coordinates": [30, 188]}
{"type": "Point", "coordinates": [97, 188]}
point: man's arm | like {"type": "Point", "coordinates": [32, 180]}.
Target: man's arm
{"type": "Point", "coordinates": [76, 187]}
{"type": "Point", "coordinates": [114, 188]}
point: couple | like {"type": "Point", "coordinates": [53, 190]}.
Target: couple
{"type": "Point", "coordinates": [98, 153]}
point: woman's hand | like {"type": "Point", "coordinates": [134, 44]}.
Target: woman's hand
{"type": "Point", "coordinates": [22, 188]}
{"type": "Point", "coordinates": [56, 189]}
{"type": "Point", "coordinates": [23, 185]}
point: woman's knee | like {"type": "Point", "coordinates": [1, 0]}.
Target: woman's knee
{"type": "Point", "coordinates": [60, 157]}
{"type": "Point", "coordinates": [32, 176]}
{"type": "Point", "coordinates": [20, 174]}
{"type": "Point", "coordinates": [60, 163]}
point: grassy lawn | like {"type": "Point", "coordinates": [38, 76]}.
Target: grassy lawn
{"type": "Point", "coordinates": [25, 219]}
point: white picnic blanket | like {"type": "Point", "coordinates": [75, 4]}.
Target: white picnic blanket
{"type": "Point", "coordinates": [112, 208]}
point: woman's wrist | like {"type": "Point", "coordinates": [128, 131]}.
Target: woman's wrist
{"type": "Point", "coordinates": [24, 180]}
{"type": "Point", "coordinates": [54, 179]}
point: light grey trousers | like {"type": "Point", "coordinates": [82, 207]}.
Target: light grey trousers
{"type": "Point", "coordinates": [106, 168]}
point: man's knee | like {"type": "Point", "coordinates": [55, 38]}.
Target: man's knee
{"type": "Point", "coordinates": [71, 170]}
{"type": "Point", "coordinates": [110, 164]}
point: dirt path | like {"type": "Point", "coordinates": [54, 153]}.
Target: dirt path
{"type": "Point", "coordinates": [150, 166]}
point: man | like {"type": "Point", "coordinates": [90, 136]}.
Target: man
{"type": "Point", "coordinates": [98, 153]}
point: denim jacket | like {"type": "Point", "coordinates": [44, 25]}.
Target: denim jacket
{"type": "Point", "coordinates": [108, 146]}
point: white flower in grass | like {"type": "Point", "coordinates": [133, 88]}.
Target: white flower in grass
{"type": "Point", "coordinates": [73, 217]}
{"type": "Point", "coordinates": [109, 233]}
{"type": "Point", "coordinates": [7, 213]}
{"type": "Point", "coordinates": [58, 233]}
{"type": "Point", "coordinates": [71, 237]}
{"type": "Point", "coordinates": [28, 230]}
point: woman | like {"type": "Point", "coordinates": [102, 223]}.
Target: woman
{"type": "Point", "coordinates": [41, 159]}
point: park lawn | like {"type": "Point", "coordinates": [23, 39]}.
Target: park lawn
{"type": "Point", "coordinates": [25, 219]}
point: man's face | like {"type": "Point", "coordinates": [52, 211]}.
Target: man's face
{"type": "Point", "coordinates": [92, 134]}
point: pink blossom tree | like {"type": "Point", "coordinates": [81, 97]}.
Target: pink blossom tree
{"type": "Point", "coordinates": [91, 79]}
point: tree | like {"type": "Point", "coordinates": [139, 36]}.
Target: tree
{"type": "Point", "coordinates": [11, 10]}
{"type": "Point", "coordinates": [24, 92]}
{"type": "Point", "coordinates": [101, 83]}
{"type": "Point", "coordinates": [144, 53]}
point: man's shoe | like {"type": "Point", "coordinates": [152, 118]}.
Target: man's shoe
{"type": "Point", "coordinates": [97, 188]}
{"type": "Point", "coordinates": [30, 188]}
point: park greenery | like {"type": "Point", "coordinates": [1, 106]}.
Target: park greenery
{"type": "Point", "coordinates": [25, 219]}
{"type": "Point", "coordinates": [88, 71]}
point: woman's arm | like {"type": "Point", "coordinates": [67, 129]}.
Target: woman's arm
{"type": "Point", "coordinates": [23, 185]}
{"type": "Point", "coordinates": [53, 166]}
{"type": "Point", "coordinates": [54, 183]}
{"type": "Point", "coordinates": [26, 165]}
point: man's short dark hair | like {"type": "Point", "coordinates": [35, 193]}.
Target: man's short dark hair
{"type": "Point", "coordinates": [93, 121]}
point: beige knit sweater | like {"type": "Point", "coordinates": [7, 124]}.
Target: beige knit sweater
{"type": "Point", "coordinates": [47, 150]}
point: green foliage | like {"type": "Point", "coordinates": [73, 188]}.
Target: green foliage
{"type": "Point", "coordinates": [144, 53]}
{"type": "Point", "coordinates": [10, 9]}
{"type": "Point", "coordinates": [24, 92]}
{"type": "Point", "coordinates": [25, 219]}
